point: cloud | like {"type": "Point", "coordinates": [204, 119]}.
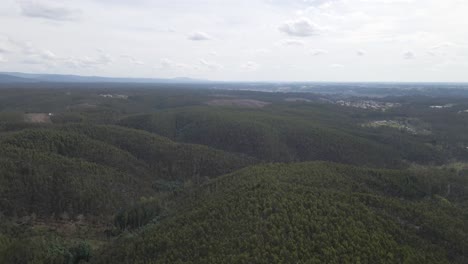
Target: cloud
{"type": "Point", "coordinates": [441, 49]}
{"type": "Point", "coordinates": [4, 45]}
{"type": "Point", "coordinates": [31, 55]}
{"type": "Point", "coordinates": [390, 1]}
{"type": "Point", "coordinates": [360, 53]}
{"type": "Point", "coordinates": [336, 65]}
{"type": "Point", "coordinates": [35, 56]}
{"type": "Point", "coordinates": [27, 53]}
{"type": "Point", "coordinates": [210, 65]}
{"type": "Point", "coordinates": [301, 3]}
{"type": "Point", "coordinates": [133, 60]}
{"type": "Point", "coordinates": [258, 51]}
{"type": "Point", "coordinates": [48, 55]}
{"type": "Point", "coordinates": [409, 55]}
{"type": "Point", "coordinates": [7, 45]}
{"type": "Point", "coordinates": [262, 51]}
{"type": "Point", "coordinates": [36, 9]}
{"type": "Point", "coordinates": [87, 62]}
{"type": "Point", "coordinates": [137, 62]}
{"type": "Point", "coordinates": [169, 64]}
{"type": "Point", "coordinates": [3, 59]}
{"type": "Point", "coordinates": [199, 36]}
{"type": "Point", "coordinates": [443, 45]}
{"type": "Point", "coordinates": [291, 42]}
{"type": "Point", "coordinates": [318, 52]}
{"type": "Point", "coordinates": [301, 27]}
{"type": "Point", "coordinates": [250, 66]}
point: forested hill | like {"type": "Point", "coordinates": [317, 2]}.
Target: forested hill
{"type": "Point", "coordinates": [309, 213]}
{"type": "Point", "coordinates": [288, 134]}
{"type": "Point", "coordinates": [95, 170]}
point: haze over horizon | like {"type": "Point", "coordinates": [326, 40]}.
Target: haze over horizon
{"type": "Point", "coordinates": [259, 40]}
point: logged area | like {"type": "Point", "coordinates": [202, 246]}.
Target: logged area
{"type": "Point", "coordinates": [188, 173]}
{"type": "Point", "coordinates": [37, 118]}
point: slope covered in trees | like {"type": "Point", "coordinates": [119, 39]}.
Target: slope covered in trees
{"type": "Point", "coordinates": [47, 184]}
{"type": "Point", "coordinates": [97, 169]}
{"type": "Point", "coordinates": [309, 213]}
{"type": "Point", "coordinates": [292, 135]}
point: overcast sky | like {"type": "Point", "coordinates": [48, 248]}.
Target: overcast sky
{"type": "Point", "coordinates": [294, 40]}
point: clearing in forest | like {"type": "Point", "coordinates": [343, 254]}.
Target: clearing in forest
{"type": "Point", "coordinates": [37, 118]}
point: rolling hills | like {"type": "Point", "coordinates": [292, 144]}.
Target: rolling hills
{"type": "Point", "coordinates": [96, 170]}
{"type": "Point", "coordinates": [308, 213]}
{"type": "Point", "coordinates": [120, 173]}
{"type": "Point", "coordinates": [271, 136]}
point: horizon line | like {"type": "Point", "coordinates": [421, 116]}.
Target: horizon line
{"type": "Point", "coordinates": [201, 80]}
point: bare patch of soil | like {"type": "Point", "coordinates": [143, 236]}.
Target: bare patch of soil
{"type": "Point", "coordinates": [37, 118]}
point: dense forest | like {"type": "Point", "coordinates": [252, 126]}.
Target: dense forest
{"type": "Point", "coordinates": [308, 213]}
{"type": "Point", "coordinates": [123, 173]}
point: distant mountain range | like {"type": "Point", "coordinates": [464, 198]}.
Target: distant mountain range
{"type": "Point", "coordinates": [18, 77]}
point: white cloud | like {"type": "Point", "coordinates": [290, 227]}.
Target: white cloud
{"type": "Point", "coordinates": [291, 42]}
{"type": "Point", "coordinates": [199, 36]}
{"type": "Point", "coordinates": [250, 66]}
{"type": "Point", "coordinates": [48, 55]}
{"type": "Point", "coordinates": [137, 62]}
{"type": "Point", "coordinates": [34, 56]}
{"type": "Point", "coordinates": [167, 63]}
{"type": "Point", "coordinates": [262, 51]}
{"type": "Point", "coordinates": [258, 52]}
{"type": "Point", "coordinates": [4, 46]}
{"type": "Point", "coordinates": [88, 62]}
{"type": "Point", "coordinates": [302, 3]}
{"type": "Point", "coordinates": [37, 56]}
{"type": "Point", "coordinates": [443, 45]}
{"type": "Point", "coordinates": [172, 65]}
{"type": "Point", "coordinates": [3, 59]}
{"type": "Point", "coordinates": [360, 53]}
{"type": "Point", "coordinates": [336, 65]}
{"type": "Point", "coordinates": [409, 55]}
{"type": "Point", "coordinates": [301, 27]}
{"type": "Point", "coordinates": [210, 65]}
{"type": "Point", "coordinates": [7, 45]}
{"type": "Point", "coordinates": [442, 49]}
{"type": "Point", "coordinates": [38, 9]}
{"type": "Point", "coordinates": [317, 52]}
{"type": "Point", "coordinates": [133, 60]}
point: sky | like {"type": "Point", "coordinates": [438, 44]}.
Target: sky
{"type": "Point", "coordinates": [239, 40]}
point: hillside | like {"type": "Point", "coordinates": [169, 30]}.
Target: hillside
{"type": "Point", "coordinates": [95, 170]}
{"type": "Point", "coordinates": [309, 213]}
{"type": "Point", "coordinates": [287, 134]}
